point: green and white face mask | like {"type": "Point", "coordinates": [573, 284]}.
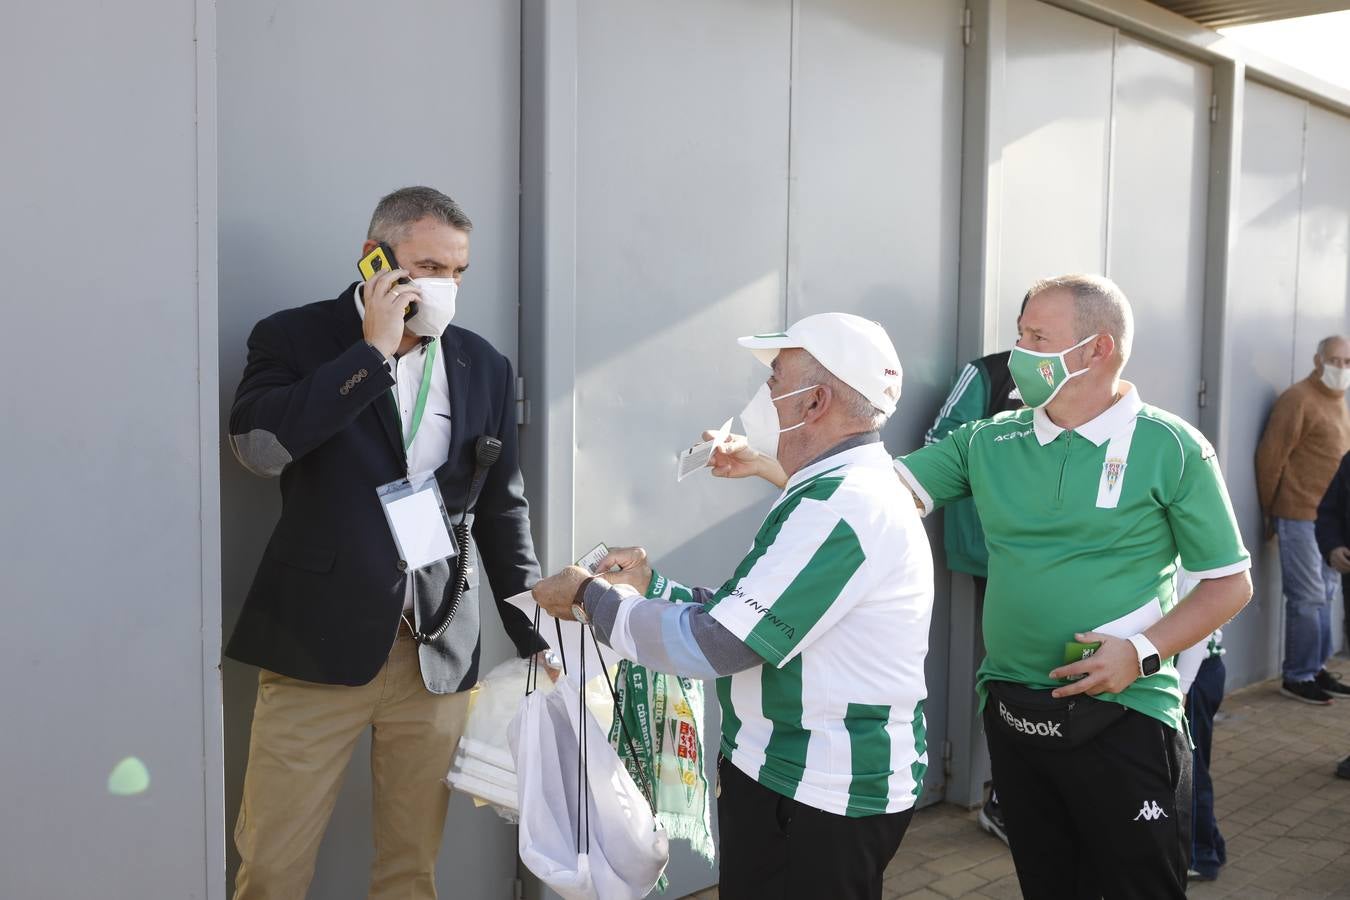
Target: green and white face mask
{"type": "Point", "coordinates": [1040, 376]}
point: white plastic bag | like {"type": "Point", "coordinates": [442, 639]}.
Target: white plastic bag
{"type": "Point", "coordinates": [622, 849]}
{"type": "Point", "coordinates": [482, 766]}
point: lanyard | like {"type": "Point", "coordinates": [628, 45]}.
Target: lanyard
{"type": "Point", "coordinates": [428, 366]}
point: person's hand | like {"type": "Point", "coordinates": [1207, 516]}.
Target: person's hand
{"type": "Point", "coordinates": [556, 593]}
{"type": "Point", "coordinates": [735, 458]}
{"type": "Point", "coordinates": [1340, 560]}
{"type": "Point", "coordinates": [385, 301]}
{"type": "Point", "coordinates": [1110, 670]}
{"type": "Point", "coordinates": [633, 569]}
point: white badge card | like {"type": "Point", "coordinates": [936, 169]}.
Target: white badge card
{"type": "Point", "coordinates": [592, 559]}
{"type": "Point", "coordinates": [698, 456]}
{"type": "Point", "coordinates": [417, 520]}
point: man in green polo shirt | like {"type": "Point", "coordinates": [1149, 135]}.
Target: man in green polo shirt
{"type": "Point", "coordinates": [1087, 499]}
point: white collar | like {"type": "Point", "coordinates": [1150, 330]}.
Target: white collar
{"type": "Point", "coordinates": [1099, 430]}
{"type": "Point", "coordinates": [872, 451]}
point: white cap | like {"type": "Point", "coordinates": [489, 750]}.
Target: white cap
{"type": "Point", "coordinates": [855, 350]}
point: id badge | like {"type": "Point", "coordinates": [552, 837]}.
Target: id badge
{"type": "Point", "coordinates": [417, 519]}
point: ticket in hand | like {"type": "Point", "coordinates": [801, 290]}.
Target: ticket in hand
{"type": "Point", "coordinates": [698, 456]}
{"type": "Point", "coordinates": [591, 560]}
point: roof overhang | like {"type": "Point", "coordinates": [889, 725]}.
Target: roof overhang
{"type": "Point", "coordinates": [1221, 13]}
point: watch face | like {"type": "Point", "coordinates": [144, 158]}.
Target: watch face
{"type": "Point", "coordinates": [1150, 664]}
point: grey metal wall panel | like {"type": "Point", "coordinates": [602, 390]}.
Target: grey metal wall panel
{"type": "Point", "coordinates": [1261, 330]}
{"type": "Point", "coordinates": [101, 472]}
{"type": "Point", "coordinates": [1156, 241]}
{"type": "Point", "coordinates": [680, 248]}
{"type": "Point", "coordinates": [319, 119]}
{"type": "Point", "coordinates": [1055, 141]}
{"type": "Point", "coordinates": [1324, 251]}
{"type": "Point", "coordinates": [876, 140]}
{"type": "Point", "coordinates": [1324, 235]}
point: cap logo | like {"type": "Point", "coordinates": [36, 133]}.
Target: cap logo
{"type": "Point", "coordinates": [892, 373]}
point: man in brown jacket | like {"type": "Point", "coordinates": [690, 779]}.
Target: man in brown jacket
{"type": "Point", "coordinates": [1307, 434]}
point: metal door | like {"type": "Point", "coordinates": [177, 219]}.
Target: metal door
{"type": "Point", "coordinates": [1055, 148]}
{"type": "Point", "coordinates": [1155, 242]}
{"type": "Point", "coordinates": [1260, 344]}
{"type": "Point", "coordinates": [875, 166]}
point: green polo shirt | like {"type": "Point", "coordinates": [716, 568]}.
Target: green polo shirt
{"type": "Point", "coordinates": [1084, 528]}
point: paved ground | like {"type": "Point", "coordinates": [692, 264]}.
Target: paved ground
{"type": "Point", "coordinates": [1285, 817]}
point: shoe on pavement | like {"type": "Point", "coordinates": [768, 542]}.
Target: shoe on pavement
{"type": "Point", "coordinates": [1306, 691]}
{"type": "Point", "coordinates": [1197, 875]}
{"type": "Point", "coordinates": [1331, 683]}
{"type": "Point", "coordinates": [1343, 769]}
{"type": "Point", "coordinates": [991, 820]}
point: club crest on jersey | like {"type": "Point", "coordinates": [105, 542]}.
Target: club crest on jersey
{"type": "Point", "coordinates": [1113, 468]}
{"type": "Point", "coordinates": [1047, 370]}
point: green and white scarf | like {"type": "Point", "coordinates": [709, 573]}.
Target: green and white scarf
{"type": "Point", "coordinates": [664, 716]}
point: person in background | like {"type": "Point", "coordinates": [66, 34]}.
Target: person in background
{"type": "Point", "coordinates": [1332, 529]}
{"type": "Point", "coordinates": [1306, 436]}
{"type": "Point", "coordinates": [1202, 674]}
{"type": "Point", "coordinates": [983, 389]}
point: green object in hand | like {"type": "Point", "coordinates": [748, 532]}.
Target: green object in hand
{"type": "Point", "coordinates": [1077, 651]}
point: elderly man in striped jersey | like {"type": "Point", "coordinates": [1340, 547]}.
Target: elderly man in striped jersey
{"type": "Point", "coordinates": [817, 640]}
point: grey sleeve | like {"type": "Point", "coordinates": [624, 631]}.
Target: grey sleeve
{"type": "Point", "coordinates": [677, 638]}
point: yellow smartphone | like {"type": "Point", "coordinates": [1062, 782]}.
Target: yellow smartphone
{"type": "Point", "coordinates": [378, 260]}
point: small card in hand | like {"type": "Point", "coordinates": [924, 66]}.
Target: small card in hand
{"type": "Point", "coordinates": [591, 560]}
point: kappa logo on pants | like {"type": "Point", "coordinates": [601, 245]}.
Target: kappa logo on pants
{"type": "Point", "coordinates": [1150, 811]}
{"type": "Point", "coordinates": [1026, 726]}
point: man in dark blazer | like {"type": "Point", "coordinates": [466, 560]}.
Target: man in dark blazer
{"type": "Point", "coordinates": [339, 398]}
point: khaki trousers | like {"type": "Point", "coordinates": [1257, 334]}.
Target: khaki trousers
{"type": "Point", "coordinates": [302, 740]}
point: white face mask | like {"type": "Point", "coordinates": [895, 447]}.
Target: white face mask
{"type": "Point", "coordinates": [1336, 378]}
{"type": "Point", "coordinates": [760, 419]}
{"type": "Point", "coordinates": [435, 309]}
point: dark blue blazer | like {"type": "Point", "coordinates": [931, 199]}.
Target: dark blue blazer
{"type": "Point", "coordinates": [315, 408]}
{"type": "Point", "coordinates": [1333, 512]}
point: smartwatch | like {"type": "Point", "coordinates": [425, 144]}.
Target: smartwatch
{"type": "Point", "coordinates": [1149, 660]}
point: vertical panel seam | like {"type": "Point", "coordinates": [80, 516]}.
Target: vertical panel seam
{"type": "Point", "coordinates": [1298, 240]}
{"type": "Point", "coordinates": [206, 213]}
{"type": "Point", "coordinates": [1108, 201]}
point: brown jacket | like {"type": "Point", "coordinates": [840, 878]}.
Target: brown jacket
{"type": "Point", "coordinates": [1307, 434]}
